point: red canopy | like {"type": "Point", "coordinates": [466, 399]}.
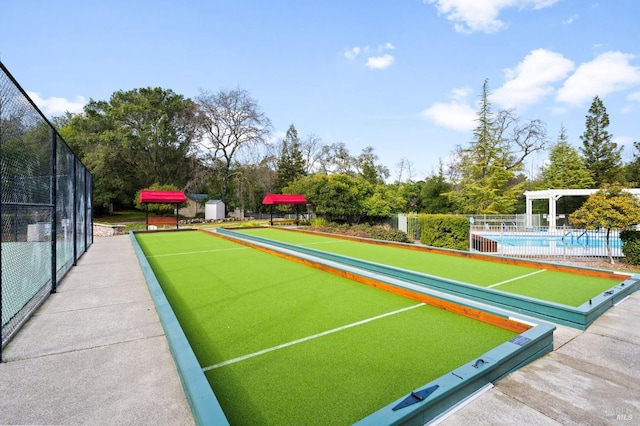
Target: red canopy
{"type": "Point", "coordinates": [284, 199]}
{"type": "Point", "coordinates": [162, 197]}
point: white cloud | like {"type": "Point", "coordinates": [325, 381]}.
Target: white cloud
{"type": "Point", "coordinates": [352, 53]}
{"type": "Point", "coordinates": [380, 62]}
{"type": "Point", "coordinates": [482, 15]}
{"type": "Point", "coordinates": [609, 72]}
{"type": "Point", "coordinates": [532, 79]}
{"type": "Point", "coordinates": [56, 106]}
{"type": "Point", "coordinates": [386, 46]}
{"type": "Point", "coordinates": [635, 96]}
{"type": "Point", "coordinates": [375, 57]}
{"type": "Point", "coordinates": [456, 114]}
{"type": "Point", "coordinates": [570, 20]}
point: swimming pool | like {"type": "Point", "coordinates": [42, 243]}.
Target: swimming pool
{"type": "Point", "coordinates": [562, 243]}
{"type": "Point", "coordinates": [593, 241]}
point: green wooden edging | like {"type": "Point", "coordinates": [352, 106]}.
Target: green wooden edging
{"type": "Point", "coordinates": [204, 405]}
{"type": "Point", "coordinates": [577, 317]}
{"type": "Point", "coordinates": [467, 379]}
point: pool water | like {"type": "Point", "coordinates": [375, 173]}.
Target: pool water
{"type": "Point", "coordinates": [592, 241]}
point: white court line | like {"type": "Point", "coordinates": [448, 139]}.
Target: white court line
{"type": "Point", "coordinates": [517, 278]}
{"type": "Point", "coordinates": [304, 339]}
{"type": "Point", "coordinates": [196, 252]}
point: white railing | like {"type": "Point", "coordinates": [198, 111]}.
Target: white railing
{"type": "Point", "coordinates": [514, 240]}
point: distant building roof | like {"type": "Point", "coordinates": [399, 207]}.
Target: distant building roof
{"type": "Point", "coordinates": [197, 197]}
{"type": "Point", "coordinates": [284, 199]}
{"type": "Point", "coordinates": [162, 197]}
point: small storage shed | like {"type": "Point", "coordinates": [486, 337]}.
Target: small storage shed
{"type": "Point", "coordinates": [161, 197]}
{"type": "Point", "coordinates": [214, 210]}
{"type": "Point", "coordinates": [273, 199]}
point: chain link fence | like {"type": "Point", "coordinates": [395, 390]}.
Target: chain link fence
{"type": "Point", "coordinates": [45, 206]}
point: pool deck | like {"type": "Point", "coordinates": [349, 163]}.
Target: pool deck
{"type": "Point", "coordinates": [95, 353]}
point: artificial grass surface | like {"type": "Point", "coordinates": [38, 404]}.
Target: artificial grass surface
{"type": "Point", "coordinates": [232, 300]}
{"type": "Point", "coordinates": [553, 286]}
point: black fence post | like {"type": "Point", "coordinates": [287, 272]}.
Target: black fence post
{"type": "Point", "coordinates": [54, 197]}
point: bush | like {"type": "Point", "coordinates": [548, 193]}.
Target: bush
{"type": "Point", "coordinates": [440, 230]}
{"type": "Point", "coordinates": [376, 232]}
{"type": "Point", "coordinates": [631, 246]}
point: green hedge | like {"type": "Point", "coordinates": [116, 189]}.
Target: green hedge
{"type": "Point", "coordinates": [447, 231]}
{"type": "Point", "coordinates": [631, 246]}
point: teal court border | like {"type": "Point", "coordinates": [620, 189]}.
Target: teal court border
{"type": "Point", "coordinates": [580, 317]}
{"type": "Point", "coordinates": [452, 388]}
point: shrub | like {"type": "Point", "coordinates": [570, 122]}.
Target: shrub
{"type": "Point", "coordinates": [447, 231]}
{"type": "Point", "coordinates": [631, 246]}
{"type": "Point", "coordinates": [377, 232]}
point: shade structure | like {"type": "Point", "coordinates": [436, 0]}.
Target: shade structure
{"type": "Point", "coordinates": [148, 196]}
{"type": "Point", "coordinates": [162, 197]}
{"type": "Point", "coordinates": [273, 199]}
{"type": "Point", "coordinates": [284, 199]}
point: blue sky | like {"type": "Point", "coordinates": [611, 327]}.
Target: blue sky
{"type": "Point", "coordinates": [401, 76]}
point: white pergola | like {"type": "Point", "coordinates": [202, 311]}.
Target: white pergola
{"type": "Point", "coordinates": [553, 195]}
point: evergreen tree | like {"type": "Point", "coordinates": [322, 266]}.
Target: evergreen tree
{"type": "Point", "coordinates": [602, 155]}
{"type": "Point", "coordinates": [566, 169]}
{"type": "Point", "coordinates": [291, 164]}
{"type": "Point", "coordinates": [632, 170]}
{"type": "Point", "coordinates": [488, 180]}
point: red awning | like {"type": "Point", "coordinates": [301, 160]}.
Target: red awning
{"type": "Point", "coordinates": [162, 197]}
{"type": "Point", "coordinates": [284, 199]}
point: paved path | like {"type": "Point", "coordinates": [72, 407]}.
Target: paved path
{"type": "Point", "coordinates": [95, 352]}
{"type": "Point", "coordinates": [591, 378]}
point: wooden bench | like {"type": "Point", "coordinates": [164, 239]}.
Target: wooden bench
{"type": "Point", "coordinates": [161, 221]}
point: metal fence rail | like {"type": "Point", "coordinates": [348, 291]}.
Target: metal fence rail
{"type": "Point", "coordinates": [508, 235]}
{"type": "Point", "coordinates": [45, 206]}
{"type": "Point", "coordinates": [545, 243]}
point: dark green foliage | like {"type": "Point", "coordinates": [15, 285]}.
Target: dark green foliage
{"type": "Point", "coordinates": [631, 246]}
{"type": "Point", "coordinates": [376, 232]}
{"type": "Point", "coordinates": [439, 230]}
{"type": "Point", "coordinates": [291, 165]}
{"type": "Point", "coordinates": [602, 155]}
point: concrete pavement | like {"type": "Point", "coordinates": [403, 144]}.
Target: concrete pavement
{"type": "Point", "coordinates": [94, 352]}
{"type": "Point", "coordinates": [591, 378]}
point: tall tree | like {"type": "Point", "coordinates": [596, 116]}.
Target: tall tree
{"type": "Point", "coordinates": [566, 168]}
{"type": "Point", "coordinates": [487, 171]}
{"type": "Point", "coordinates": [432, 199]}
{"type": "Point", "coordinates": [231, 121]}
{"type": "Point", "coordinates": [291, 164]}
{"type": "Point", "coordinates": [335, 158]}
{"type": "Point", "coordinates": [632, 169]}
{"type": "Point", "coordinates": [138, 138]}
{"type": "Point", "coordinates": [602, 155]}
{"type": "Point", "coordinates": [367, 167]}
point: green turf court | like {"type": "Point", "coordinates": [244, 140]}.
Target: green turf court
{"type": "Point", "coordinates": [285, 343]}
{"type": "Point", "coordinates": [535, 282]}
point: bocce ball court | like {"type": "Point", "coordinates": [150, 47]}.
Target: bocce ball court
{"type": "Point", "coordinates": [285, 341]}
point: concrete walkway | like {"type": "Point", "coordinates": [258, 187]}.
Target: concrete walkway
{"type": "Point", "coordinates": [94, 352]}
{"type": "Point", "coordinates": [591, 378]}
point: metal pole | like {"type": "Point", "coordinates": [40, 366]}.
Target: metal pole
{"type": "Point", "coordinates": [54, 195]}
{"type": "Point", "coordinates": [74, 232]}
